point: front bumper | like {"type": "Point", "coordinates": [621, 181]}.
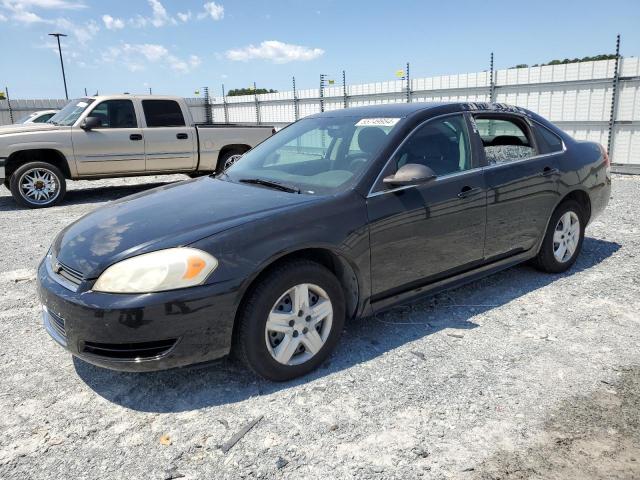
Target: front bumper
{"type": "Point", "coordinates": [145, 332]}
{"type": "Point", "coordinates": [3, 164]}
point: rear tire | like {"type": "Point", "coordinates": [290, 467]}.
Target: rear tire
{"type": "Point", "coordinates": [563, 239]}
{"type": "Point", "coordinates": [230, 157]}
{"type": "Point", "coordinates": [37, 185]}
{"type": "Point", "coordinates": [299, 305]}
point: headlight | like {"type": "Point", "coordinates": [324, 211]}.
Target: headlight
{"type": "Point", "coordinates": [157, 271]}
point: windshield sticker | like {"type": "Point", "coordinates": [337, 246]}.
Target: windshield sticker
{"type": "Point", "coordinates": [81, 104]}
{"type": "Point", "coordinates": [377, 122]}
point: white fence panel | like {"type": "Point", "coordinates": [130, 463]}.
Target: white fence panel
{"type": "Point", "coordinates": [576, 96]}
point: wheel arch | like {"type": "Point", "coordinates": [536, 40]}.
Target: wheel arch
{"type": "Point", "coordinates": [237, 147]}
{"type": "Point", "coordinates": [582, 198]}
{"type": "Point", "coordinates": [46, 155]}
{"type": "Point", "coordinates": [335, 262]}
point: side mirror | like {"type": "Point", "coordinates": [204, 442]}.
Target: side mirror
{"type": "Point", "coordinates": [90, 123]}
{"type": "Point", "coordinates": [410, 174]}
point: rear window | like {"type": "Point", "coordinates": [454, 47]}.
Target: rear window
{"type": "Point", "coordinates": [163, 113]}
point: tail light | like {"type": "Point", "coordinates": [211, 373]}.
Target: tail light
{"type": "Point", "coordinates": [605, 155]}
{"type": "Point", "coordinates": [607, 162]}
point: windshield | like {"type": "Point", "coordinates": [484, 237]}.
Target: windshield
{"type": "Point", "coordinates": [71, 112]}
{"type": "Point", "coordinates": [315, 155]}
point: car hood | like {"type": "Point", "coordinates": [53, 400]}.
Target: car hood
{"type": "Point", "coordinates": [164, 217]}
{"type": "Point", "coordinates": [28, 128]}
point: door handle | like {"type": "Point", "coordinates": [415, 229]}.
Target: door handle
{"type": "Point", "coordinates": [467, 190]}
{"type": "Point", "coordinates": [547, 171]}
{"type": "Point", "coordinates": [182, 136]}
{"type": "Point", "coordinates": [135, 136]}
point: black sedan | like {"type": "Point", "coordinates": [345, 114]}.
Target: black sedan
{"type": "Point", "coordinates": [340, 215]}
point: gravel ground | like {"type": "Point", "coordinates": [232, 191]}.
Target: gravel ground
{"type": "Point", "coordinates": [519, 375]}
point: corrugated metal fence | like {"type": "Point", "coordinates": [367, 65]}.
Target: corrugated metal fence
{"type": "Point", "coordinates": [577, 97]}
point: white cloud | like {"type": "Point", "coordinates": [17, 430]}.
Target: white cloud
{"type": "Point", "coordinates": [3, 18]}
{"type": "Point", "coordinates": [23, 16]}
{"type": "Point", "coordinates": [274, 51]}
{"type": "Point", "coordinates": [159, 16]}
{"type": "Point", "coordinates": [130, 55]}
{"type": "Point", "coordinates": [112, 23]}
{"type": "Point", "coordinates": [82, 32]}
{"type": "Point", "coordinates": [48, 4]}
{"type": "Point", "coordinates": [213, 10]}
{"type": "Point", "coordinates": [184, 17]}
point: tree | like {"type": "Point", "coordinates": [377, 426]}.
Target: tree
{"type": "Point", "coordinates": [607, 56]}
{"type": "Point", "coordinates": [249, 91]}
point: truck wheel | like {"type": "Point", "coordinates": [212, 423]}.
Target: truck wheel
{"type": "Point", "coordinates": [37, 185]}
{"type": "Point", "coordinates": [228, 158]}
{"type": "Point", "coordinates": [291, 321]}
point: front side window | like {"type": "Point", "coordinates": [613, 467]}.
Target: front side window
{"type": "Point", "coordinates": [314, 154]}
{"type": "Point", "coordinates": [115, 114]}
{"type": "Point", "coordinates": [71, 112]}
{"type": "Point", "coordinates": [163, 113]}
{"type": "Point", "coordinates": [504, 140]}
{"type": "Point", "coordinates": [441, 144]}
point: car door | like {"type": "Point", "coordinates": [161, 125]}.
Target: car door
{"type": "Point", "coordinates": [422, 233]}
{"type": "Point", "coordinates": [116, 146]}
{"type": "Point", "coordinates": [169, 143]}
{"type": "Point", "coordinates": [521, 182]}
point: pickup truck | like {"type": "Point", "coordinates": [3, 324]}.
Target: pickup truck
{"type": "Point", "coordinates": [115, 136]}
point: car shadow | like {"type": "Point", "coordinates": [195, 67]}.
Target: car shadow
{"type": "Point", "coordinates": [81, 196]}
{"type": "Point", "coordinates": [226, 382]}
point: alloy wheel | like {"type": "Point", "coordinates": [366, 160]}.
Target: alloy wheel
{"type": "Point", "coordinates": [566, 237]}
{"type": "Point", "coordinates": [39, 186]}
{"type": "Point", "coordinates": [299, 324]}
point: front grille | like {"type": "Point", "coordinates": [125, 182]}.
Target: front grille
{"type": "Point", "coordinates": [129, 351]}
{"type": "Point", "coordinates": [57, 323]}
{"type": "Point", "coordinates": [67, 273]}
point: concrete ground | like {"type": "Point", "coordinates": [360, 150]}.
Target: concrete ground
{"type": "Point", "coordinates": [519, 375]}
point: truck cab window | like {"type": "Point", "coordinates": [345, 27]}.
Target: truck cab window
{"type": "Point", "coordinates": [115, 114]}
{"type": "Point", "coordinates": [163, 113]}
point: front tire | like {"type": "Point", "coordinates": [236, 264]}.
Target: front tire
{"type": "Point", "coordinates": [37, 185]}
{"type": "Point", "coordinates": [291, 321]}
{"type": "Point", "coordinates": [563, 239]}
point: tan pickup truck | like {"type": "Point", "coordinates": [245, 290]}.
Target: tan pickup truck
{"type": "Point", "coordinates": [115, 136]}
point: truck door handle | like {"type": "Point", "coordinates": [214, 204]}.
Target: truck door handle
{"type": "Point", "coordinates": [467, 190]}
{"type": "Point", "coordinates": [547, 171]}
{"type": "Point", "coordinates": [135, 136]}
{"type": "Point", "coordinates": [182, 136]}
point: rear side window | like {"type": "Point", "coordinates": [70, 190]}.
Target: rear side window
{"type": "Point", "coordinates": [504, 140]}
{"type": "Point", "coordinates": [115, 114]}
{"type": "Point", "coordinates": [44, 118]}
{"type": "Point", "coordinates": [163, 113]}
{"type": "Point", "coordinates": [548, 141]}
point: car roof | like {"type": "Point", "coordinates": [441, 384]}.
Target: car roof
{"type": "Point", "coordinates": [406, 109]}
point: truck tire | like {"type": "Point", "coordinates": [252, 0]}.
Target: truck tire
{"type": "Point", "coordinates": [37, 185]}
{"type": "Point", "coordinates": [230, 156]}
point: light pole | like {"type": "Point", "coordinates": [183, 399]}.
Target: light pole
{"type": "Point", "coordinates": [64, 79]}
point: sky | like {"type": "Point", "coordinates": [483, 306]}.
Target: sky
{"type": "Point", "coordinates": [178, 47]}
